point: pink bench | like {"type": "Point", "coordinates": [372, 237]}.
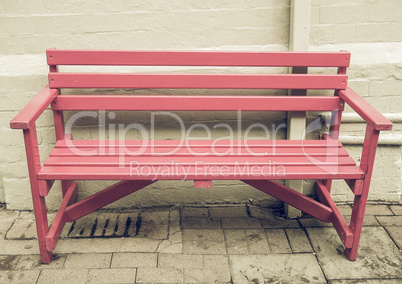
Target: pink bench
{"type": "Point", "coordinates": [321, 160]}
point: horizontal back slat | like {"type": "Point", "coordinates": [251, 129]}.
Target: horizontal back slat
{"type": "Point", "coordinates": [197, 58]}
{"type": "Point", "coordinates": [197, 81]}
{"type": "Point", "coordinates": [196, 103]}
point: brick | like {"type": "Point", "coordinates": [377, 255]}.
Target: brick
{"type": "Point", "coordinates": [346, 14]}
{"type": "Point", "coordinates": [63, 276]}
{"type": "Point", "coordinates": [95, 260]}
{"type": "Point", "coordinates": [134, 260]}
{"type": "Point", "coordinates": [240, 223]}
{"type": "Point", "coordinates": [278, 241]}
{"type": "Point", "coordinates": [320, 34]}
{"type": "Point", "coordinates": [343, 33]}
{"type": "Point", "coordinates": [192, 275]}
{"type": "Point", "coordinates": [15, 26]}
{"type": "Point", "coordinates": [385, 88]}
{"type": "Point", "coordinates": [60, 24]}
{"type": "Point", "coordinates": [29, 276]}
{"type": "Point", "coordinates": [385, 11]}
{"type": "Point", "coordinates": [367, 32]}
{"type": "Point", "coordinates": [112, 275]}
{"type": "Point", "coordinates": [159, 275]}
{"type": "Point", "coordinates": [33, 261]}
{"type": "Point", "coordinates": [180, 261]}
{"type": "Point", "coordinates": [298, 240]}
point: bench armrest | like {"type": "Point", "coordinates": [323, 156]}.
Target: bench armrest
{"type": "Point", "coordinates": [373, 117]}
{"type": "Point", "coordinates": [28, 115]}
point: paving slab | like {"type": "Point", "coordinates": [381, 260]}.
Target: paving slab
{"type": "Point", "coordinates": [108, 245]}
{"type": "Point", "coordinates": [376, 209]}
{"type": "Point", "coordinates": [214, 261]}
{"type": "Point", "coordinates": [203, 234]}
{"type": "Point", "coordinates": [159, 275]}
{"type": "Point", "coordinates": [132, 259]}
{"type": "Point", "coordinates": [19, 247]}
{"type": "Point", "coordinates": [63, 276]}
{"type": "Point", "coordinates": [240, 223]}
{"type": "Point", "coordinates": [396, 235]}
{"type": "Point", "coordinates": [200, 223]}
{"type": "Point", "coordinates": [8, 262]}
{"type": "Point", "coordinates": [278, 241]}
{"type": "Point", "coordinates": [33, 261]}
{"type": "Point", "coordinates": [275, 268]}
{"type": "Point", "coordinates": [204, 247]}
{"type": "Point", "coordinates": [111, 275]}
{"type": "Point", "coordinates": [196, 275]}
{"type": "Point", "coordinates": [7, 218]}
{"type": "Point", "coordinates": [256, 241]}
{"type": "Point", "coordinates": [235, 240]}
{"type": "Point", "coordinates": [195, 212]}
{"type": "Point", "coordinates": [88, 260]}
{"type": "Point", "coordinates": [396, 209]}
{"type": "Point", "coordinates": [138, 245]}
{"type": "Point", "coordinates": [154, 225]}
{"type": "Point", "coordinates": [180, 260]}
{"type": "Point", "coordinates": [16, 277]}
{"type": "Point", "coordinates": [298, 240]}
{"type": "Point", "coordinates": [229, 212]}
{"type": "Point", "coordinates": [367, 281]}
{"type": "Point", "coordinates": [390, 220]}
{"type": "Point", "coordinates": [23, 227]}
{"type": "Point", "coordinates": [378, 256]}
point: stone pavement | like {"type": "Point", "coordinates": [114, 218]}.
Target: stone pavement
{"type": "Point", "coordinates": [204, 244]}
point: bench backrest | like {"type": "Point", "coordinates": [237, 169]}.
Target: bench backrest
{"type": "Point", "coordinates": [337, 81]}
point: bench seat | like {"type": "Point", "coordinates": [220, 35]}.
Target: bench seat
{"type": "Point", "coordinates": [202, 159]}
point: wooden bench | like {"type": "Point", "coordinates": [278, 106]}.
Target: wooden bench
{"type": "Point", "coordinates": [256, 162]}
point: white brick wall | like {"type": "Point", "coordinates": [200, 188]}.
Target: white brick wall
{"type": "Point", "coordinates": [28, 28]}
{"type": "Point", "coordinates": [371, 30]}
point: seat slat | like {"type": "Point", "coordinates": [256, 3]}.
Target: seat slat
{"type": "Point", "coordinates": [197, 58]}
{"type": "Point", "coordinates": [197, 81]}
{"type": "Point", "coordinates": [204, 143]}
{"type": "Point", "coordinates": [80, 161]}
{"type": "Point", "coordinates": [196, 103]}
{"type": "Point", "coordinates": [193, 173]}
{"type": "Point", "coordinates": [199, 152]}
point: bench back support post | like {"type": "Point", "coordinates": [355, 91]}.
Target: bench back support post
{"type": "Point", "coordinates": [58, 118]}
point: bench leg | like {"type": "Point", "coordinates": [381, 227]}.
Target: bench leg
{"type": "Point", "coordinates": [65, 184]}
{"type": "Point", "coordinates": [39, 205]}
{"type": "Point", "coordinates": [42, 225]}
{"type": "Point", "coordinates": [360, 201]}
